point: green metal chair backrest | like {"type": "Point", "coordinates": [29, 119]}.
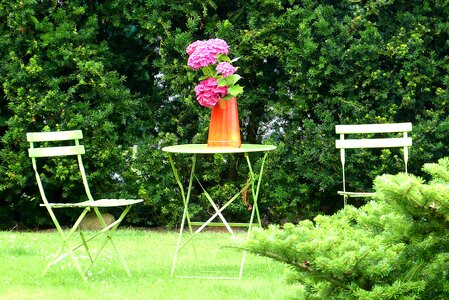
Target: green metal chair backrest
{"type": "Point", "coordinates": [38, 150]}
{"type": "Point", "coordinates": [385, 142]}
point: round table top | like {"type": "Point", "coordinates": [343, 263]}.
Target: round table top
{"type": "Point", "coordinates": [204, 149]}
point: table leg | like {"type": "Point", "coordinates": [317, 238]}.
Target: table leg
{"type": "Point", "coordinates": [254, 181]}
{"type": "Point", "coordinates": [185, 214]}
{"type": "Point", "coordinates": [255, 187]}
{"type": "Point", "coordinates": [217, 210]}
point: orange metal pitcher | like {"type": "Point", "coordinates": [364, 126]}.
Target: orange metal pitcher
{"type": "Point", "coordinates": [224, 129]}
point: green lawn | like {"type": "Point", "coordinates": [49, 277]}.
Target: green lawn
{"type": "Point", "coordinates": [149, 254]}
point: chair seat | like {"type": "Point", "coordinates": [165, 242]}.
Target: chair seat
{"type": "Point", "coordinates": [97, 203]}
{"type": "Point", "coordinates": [356, 194]}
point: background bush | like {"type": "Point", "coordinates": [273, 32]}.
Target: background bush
{"type": "Point", "coordinates": [117, 70]}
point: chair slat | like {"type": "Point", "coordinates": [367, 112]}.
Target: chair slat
{"type": "Point", "coordinates": [356, 194]}
{"type": "Point", "coordinates": [56, 151]}
{"type": "Point", "coordinates": [54, 136]}
{"type": "Point", "coordinates": [97, 203]}
{"type": "Point", "coordinates": [373, 143]}
{"type": "Point", "coordinates": [373, 128]}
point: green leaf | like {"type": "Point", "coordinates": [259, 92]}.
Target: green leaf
{"type": "Point", "coordinates": [232, 79]}
{"type": "Point", "coordinates": [222, 57]}
{"type": "Point", "coordinates": [222, 81]}
{"type": "Point", "coordinates": [208, 71]}
{"type": "Point", "coordinates": [235, 90]}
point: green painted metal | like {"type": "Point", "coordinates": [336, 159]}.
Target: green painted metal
{"type": "Point", "coordinates": [40, 149]}
{"type": "Point", "coordinates": [220, 224]}
{"type": "Point", "coordinates": [204, 149]}
{"type": "Point", "coordinates": [253, 181]}
{"type": "Point", "coordinates": [386, 142]}
{"type": "Point", "coordinates": [56, 151]}
{"type": "Point", "coordinates": [373, 128]}
{"type": "Point", "coordinates": [54, 136]}
{"type": "Point", "coordinates": [373, 143]}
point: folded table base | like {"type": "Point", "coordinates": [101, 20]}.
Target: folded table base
{"type": "Point", "coordinates": [252, 183]}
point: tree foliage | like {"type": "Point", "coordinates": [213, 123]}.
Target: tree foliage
{"type": "Point", "coordinates": [117, 70]}
{"type": "Point", "coordinates": [395, 247]}
{"type": "Point", "coordinates": [57, 76]}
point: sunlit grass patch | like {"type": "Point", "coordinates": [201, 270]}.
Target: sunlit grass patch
{"type": "Point", "coordinates": [149, 255]}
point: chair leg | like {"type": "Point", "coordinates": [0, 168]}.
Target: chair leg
{"type": "Point", "coordinates": [56, 258]}
{"type": "Point", "coordinates": [86, 246]}
{"type": "Point", "coordinates": [65, 244]}
{"type": "Point", "coordinates": [109, 233]}
{"type": "Point", "coordinates": [122, 259]}
{"type": "Point", "coordinates": [77, 264]}
{"type": "Point", "coordinates": [59, 257]}
{"type": "Point", "coordinates": [109, 230]}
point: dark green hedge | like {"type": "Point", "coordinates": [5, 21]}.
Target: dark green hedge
{"type": "Point", "coordinates": [117, 70]}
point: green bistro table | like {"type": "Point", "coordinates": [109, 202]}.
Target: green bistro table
{"type": "Point", "coordinates": [253, 181]}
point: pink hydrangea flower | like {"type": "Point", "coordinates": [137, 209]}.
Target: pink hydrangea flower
{"type": "Point", "coordinates": [208, 92]}
{"type": "Point", "coordinates": [225, 69]}
{"type": "Point", "coordinates": [218, 46]}
{"type": "Point", "coordinates": [191, 48]}
{"type": "Point", "coordinates": [204, 53]}
{"type": "Point", "coordinates": [200, 59]}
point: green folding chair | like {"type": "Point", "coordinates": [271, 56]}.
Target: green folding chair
{"type": "Point", "coordinates": [361, 138]}
{"type": "Point", "coordinates": [54, 144]}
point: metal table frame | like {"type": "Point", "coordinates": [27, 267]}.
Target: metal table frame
{"type": "Point", "coordinates": [254, 181]}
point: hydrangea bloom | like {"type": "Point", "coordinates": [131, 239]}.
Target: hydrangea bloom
{"type": "Point", "coordinates": [204, 53]}
{"type": "Point", "coordinates": [200, 59]}
{"type": "Point", "coordinates": [218, 46]}
{"type": "Point", "coordinates": [211, 56]}
{"type": "Point", "coordinates": [191, 48]}
{"type": "Point", "coordinates": [225, 69]}
{"type": "Point", "coordinates": [208, 92]}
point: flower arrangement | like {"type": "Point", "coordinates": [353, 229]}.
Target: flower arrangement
{"type": "Point", "coordinates": [219, 78]}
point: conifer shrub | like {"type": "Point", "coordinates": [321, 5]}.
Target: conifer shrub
{"type": "Point", "coordinates": [394, 247]}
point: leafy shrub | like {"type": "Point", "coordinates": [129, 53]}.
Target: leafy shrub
{"type": "Point", "coordinates": [307, 66]}
{"type": "Point", "coordinates": [395, 247]}
{"type": "Point", "coordinates": [117, 69]}
{"type": "Point", "coordinates": [57, 77]}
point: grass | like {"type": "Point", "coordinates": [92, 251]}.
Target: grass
{"type": "Point", "coordinates": [149, 254]}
